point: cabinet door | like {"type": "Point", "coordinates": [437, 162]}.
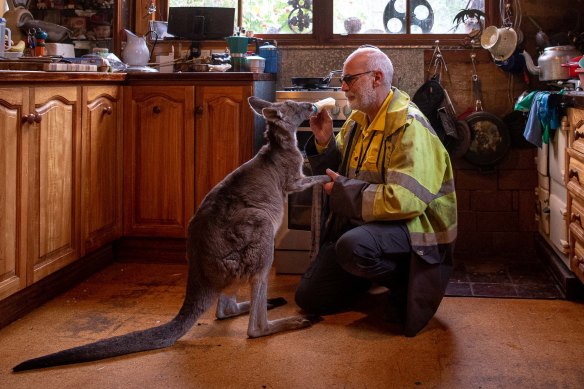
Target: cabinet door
{"type": "Point", "coordinates": [101, 166]}
{"type": "Point", "coordinates": [52, 173]}
{"type": "Point", "coordinates": [13, 102]}
{"type": "Point", "coordinates": [159, 159]}
{"type": "Point", "coordinates": [224, 134]}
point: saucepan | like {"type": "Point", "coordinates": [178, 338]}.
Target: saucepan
{"type": "Point", "coordinates": [572, 65]}
{"type": "Point", "coordinates": [314, 82]}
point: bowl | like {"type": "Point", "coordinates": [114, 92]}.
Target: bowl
{"type": "Point", "coordinates": [255, 63]}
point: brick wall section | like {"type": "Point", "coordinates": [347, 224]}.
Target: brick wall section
{"type": "Point", "coordinates": [496, 207]}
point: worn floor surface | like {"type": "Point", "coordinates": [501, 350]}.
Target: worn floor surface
{"type": "Point", "coordinates": [502, 276]}
{"type": "Point", "coordinates": [471, 343]}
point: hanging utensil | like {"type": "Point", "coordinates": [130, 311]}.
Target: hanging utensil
{"type": "Point", "coordinates": [541, 39]}
{"type": "Point", "coordinates": [489, 140]}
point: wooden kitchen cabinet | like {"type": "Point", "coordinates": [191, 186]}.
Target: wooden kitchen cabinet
{"type": "Point", "coordinates": [51, 172]}
{"type": "Point", "coordinates": [159, 159]}
{"type": "Point", "coordinates": [40, 195]}
{"type": "Point", "coordinates": [575, 185]}
{"type": "Point", "coordinates": [13, 104]}
{"type": "Point", "coordinates": [42, 159]}
{"type": "Point", "coordinates": [101, 165]}
{"type": "Point", "coordinates": [224, 134]}
{"type": "Point", "coordinates": [180, 141]}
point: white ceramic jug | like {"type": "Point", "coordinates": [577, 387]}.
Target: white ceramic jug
{"type": "Point", "coordinates": [136, 52]}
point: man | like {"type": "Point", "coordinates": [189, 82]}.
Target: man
{"type": "Point", "coordinates": [392, 205]}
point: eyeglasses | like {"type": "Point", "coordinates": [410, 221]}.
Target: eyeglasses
{"type": "Point", "coordinates": [350, 78]}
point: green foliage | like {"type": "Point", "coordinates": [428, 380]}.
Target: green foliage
{"type": "Point", "coordinates": [267, 16]}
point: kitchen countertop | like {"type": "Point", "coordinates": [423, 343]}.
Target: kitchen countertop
{"type": "Point", "coordinates": [7, 76]}
{"type": "Point", "coordinates": [573, 99]}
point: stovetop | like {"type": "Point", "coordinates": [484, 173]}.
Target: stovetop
{"type": "Point", "coordinates": [295, 88]}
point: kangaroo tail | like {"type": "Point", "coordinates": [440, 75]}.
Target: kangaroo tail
{"type": "Point", "coordinates": [149, 339]}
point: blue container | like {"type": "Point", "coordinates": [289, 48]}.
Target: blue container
{"type": "Point", "coordinates": [270, 53]}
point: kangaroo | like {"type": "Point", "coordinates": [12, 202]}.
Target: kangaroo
{"type": "Point", "coordinates": [230, 241]}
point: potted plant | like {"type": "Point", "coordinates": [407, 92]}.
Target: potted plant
{"type": "Point", "coordinates": [473, 20]}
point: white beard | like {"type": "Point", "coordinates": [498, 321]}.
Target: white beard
{"type": "Point", "coordinates": [363, 101]}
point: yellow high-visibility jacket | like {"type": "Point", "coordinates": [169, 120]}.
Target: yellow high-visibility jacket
{"type": "Point", "coordinates": [394, 168]}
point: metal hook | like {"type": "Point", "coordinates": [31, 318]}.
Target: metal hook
{"type": "Point", "coordinates": [438, 67]}
{"type": "Point", "coordinates": [474, 68]}
{"type": "Point", "coordinates": [433, 59]}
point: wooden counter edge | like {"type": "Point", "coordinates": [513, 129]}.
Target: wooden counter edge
{"type": "Point", "coordinates": [8, 76]}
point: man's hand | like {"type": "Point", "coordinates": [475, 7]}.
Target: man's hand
{"type": "Point", "coordinates": [328, 187]}
{"type": "Point", "coordinates": [322, 127]}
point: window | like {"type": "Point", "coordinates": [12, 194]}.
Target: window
{"type": "Point", "coordinates": [351, 21]}
{"type": "Point", "coordinates": [380, 17]}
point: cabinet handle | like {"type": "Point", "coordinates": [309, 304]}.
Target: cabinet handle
{"type": "Point", "coordinates": [578, 135]}
{"type": "Point", "coordinates": [199, 110]}
{"type": "Point", "coordinates": [576, 217]}
{"type": "Point", "coordinates": [573, 173]}
{"type": "Point", "coordinates": [28, 118]}
{"type": "Point", "coordinates": [37, 117]}
{"type": "Point", "coordinates": [156, 109]}
{"type": "Point", "coordinates": [107, 110]}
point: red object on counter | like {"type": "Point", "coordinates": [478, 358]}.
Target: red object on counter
{"type": "Point", "coordinates": [573, 64]}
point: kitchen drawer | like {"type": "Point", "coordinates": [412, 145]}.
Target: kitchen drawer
{"type": "Point", "coordinates": [575, 168]}
{"type": "Point", "coordinates": [576, 138]}
{"type": "Point", "coordinates": [577, 254]}
{"type": "Point", "coordinates": [576, 208]}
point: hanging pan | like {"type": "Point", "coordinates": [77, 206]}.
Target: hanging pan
{"type": "Point", "coordinates": [489, 136]}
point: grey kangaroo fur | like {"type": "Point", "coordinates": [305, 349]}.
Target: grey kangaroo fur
{"type": "Point", "coordinates": [230, 241]}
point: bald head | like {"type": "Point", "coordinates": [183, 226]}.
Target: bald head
{"type": "Point", "coordinates": [371, 58]}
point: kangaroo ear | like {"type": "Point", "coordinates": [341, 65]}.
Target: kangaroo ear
{"type": "Point", "coordinates": [257, 104]}
{"type": "Point", "coordinates": [272, 114]}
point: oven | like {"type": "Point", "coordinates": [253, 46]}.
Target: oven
{"type": "Point", "coordinates": [293, 240]}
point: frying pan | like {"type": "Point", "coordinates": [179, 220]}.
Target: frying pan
{"type": "Point", "coordinates": [489, 136]}
{"type": "Point", "coordinates": [489, 139]}
{"type": "Point", "coordinates": [314, 82]}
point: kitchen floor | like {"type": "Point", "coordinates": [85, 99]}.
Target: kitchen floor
{"type": "Point", "coordinates": [503, 275]}
{"type": "Point", "coordinates": [471, 342]}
